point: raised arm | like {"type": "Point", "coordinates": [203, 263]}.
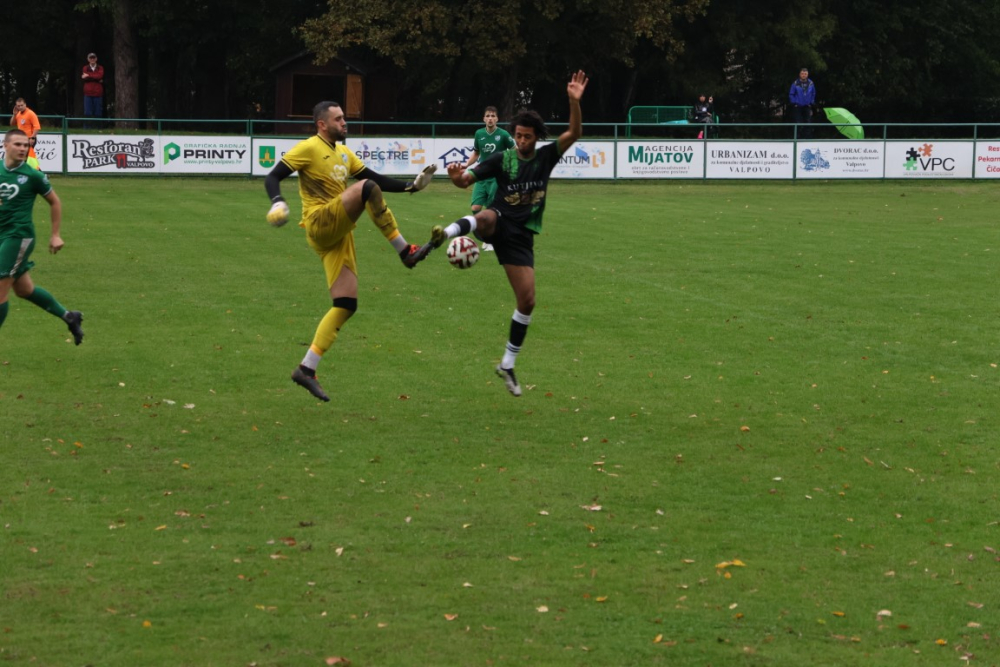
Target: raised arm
{"type": "Point", "coordinates": [574, 90]}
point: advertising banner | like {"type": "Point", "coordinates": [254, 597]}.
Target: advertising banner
{"type": "Point", "coordinates": [204, 155]}
{"type": "Point", "coordinates": [48, 149]}
{"type": "Point", "coordinates": [267, 152]}
{"type": "Point", "coordinates": [928, 159]}
{"type": "Point", "coordinates": [102, 153]}
{"type": "Point", "coordinates": [987, 159]}
{"type": "Point", "coordinates": [661, 159]}
{"type": "Point", "coordinates": [394, 156]}
{"type": "Point", "coordinates": [446, 151]}
{"type": "Point", "coordinates": [587, 159]}
{"type": "Point", "coordinates": [839, 159]}
{"type": "Point", "coordinates": [749, 159]}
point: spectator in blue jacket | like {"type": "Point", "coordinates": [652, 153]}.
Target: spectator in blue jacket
{"type": "Point", "coordinates": [801, 96]}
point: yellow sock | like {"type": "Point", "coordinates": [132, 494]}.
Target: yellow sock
{"type": "Point", "coordinates": [328, 329]}
{"type": "Point", "coordinates": [380, 214]}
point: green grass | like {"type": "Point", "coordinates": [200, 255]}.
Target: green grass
{"type": "Point", "coordinates": [801, 377]}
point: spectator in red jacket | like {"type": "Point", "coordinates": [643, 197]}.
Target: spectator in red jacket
{"type": "Point", "coordinates": [93, 88]}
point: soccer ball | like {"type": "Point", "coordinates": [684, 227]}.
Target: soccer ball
{"type": "Point", "coordinates": [463, 252]}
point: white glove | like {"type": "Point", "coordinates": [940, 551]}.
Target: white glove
{"type": "Point", "coordinates": [424, 178]}
{"type": "Point", "coordinates": [278, 215]}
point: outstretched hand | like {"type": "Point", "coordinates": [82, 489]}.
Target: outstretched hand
{"type": "Point", "coordinates": [577, 84]}
{"type": "Point", "coordinates": [424, 178]}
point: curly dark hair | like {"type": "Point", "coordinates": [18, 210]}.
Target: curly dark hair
{"type": "Point", "coordinates": [531, 119]}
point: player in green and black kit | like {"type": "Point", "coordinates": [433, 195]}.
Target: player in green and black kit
{"type": "Point", "coordinates": [19, 185]}
{"type": "Point", "coordinates": [515, 215]}
{"type": "Point", "coordinates": [487, 141]}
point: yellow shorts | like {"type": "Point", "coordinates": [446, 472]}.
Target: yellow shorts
{"type": "Point", "coordinates": [330, 232]}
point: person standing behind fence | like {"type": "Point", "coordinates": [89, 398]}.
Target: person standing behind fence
{"type": "Point", "coordinates": [801, 96]}
{"type": "Point", "coordinates": [703, 112]}
{"type": "Point", "coordinates": [93, 88]}
{"type": "Point", "coordinates": [26, 120]}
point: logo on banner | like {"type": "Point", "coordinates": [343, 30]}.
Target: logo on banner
{"type": "Point", "coordinates": [171, 152]}
{"type": "Point", "coordinates": [922, 159]}
{"type": "Point", "coordinates": [813, 160]}
{"type": "Point", "coordinates": [454, 155]}
{"type": "Point", "coordinates": [265, 156]}
{"type": "Point", "coordinates": [121, 154]}
{"type": "Point", "coordinates": [660, 154]}
{"type": "Point", "coordinates": [583, 158]}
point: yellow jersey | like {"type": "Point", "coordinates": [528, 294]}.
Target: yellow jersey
{"type": "Point", "coordinates": [323, 170]}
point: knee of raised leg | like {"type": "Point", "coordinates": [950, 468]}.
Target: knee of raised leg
{"type": "Point", "coordinates": [368, 189]}
{"type": "Point", "coordinates": [23, 291]}
{"type": "Point", "coordinates": [348, 303]}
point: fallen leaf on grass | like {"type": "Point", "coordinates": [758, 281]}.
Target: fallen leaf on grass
{"type": "Point", "coordinates": [542, 610]}
{"type": "Point", "coordinates": [450, 617]}
{"type": "Point", "coordinates": [337, 660]}
{"type": "Point", "coordinates": [941, 642]}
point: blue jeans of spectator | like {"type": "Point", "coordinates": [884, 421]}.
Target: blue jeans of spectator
{"type": "Point", "coordinates": [93, 107]}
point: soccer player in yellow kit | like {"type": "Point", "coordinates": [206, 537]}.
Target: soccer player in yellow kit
{"type": "Point", "coordinates": [330, 211]}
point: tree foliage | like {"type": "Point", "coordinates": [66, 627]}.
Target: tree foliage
{"type": "Point", "coordinates": [508, 52]}
{"type": "Point", "coordinates": [888, 61]}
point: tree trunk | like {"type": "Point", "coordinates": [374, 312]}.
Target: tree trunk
{"type": "Point", "coordinates": [510, 93]}
{"type": "Point", "coordinates": [126, 65]}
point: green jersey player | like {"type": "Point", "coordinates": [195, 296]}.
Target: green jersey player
{"type": "Point", "coordinates": [19, 185]}
{"type": "Point", "coordinates": [514, 216]}
{"type": "Point", "coordinates": [488, 140]}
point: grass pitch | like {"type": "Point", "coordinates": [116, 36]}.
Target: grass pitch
{"type": "Point", "coordinates": [759, 428]}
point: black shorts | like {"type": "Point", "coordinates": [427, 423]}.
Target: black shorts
{"type": "Point", "coordinates": [513, 244]}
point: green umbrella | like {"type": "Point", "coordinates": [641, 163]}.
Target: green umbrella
{"type": "Point", "coordinates": [846, 122]}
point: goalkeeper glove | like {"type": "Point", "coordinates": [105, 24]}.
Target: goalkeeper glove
{"type": "Point", "coordinates": [422, 180]}
{"type": "Point", "coordinates": [278, 215]}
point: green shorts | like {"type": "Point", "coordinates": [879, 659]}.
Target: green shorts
{"type": "Point", "coordinates": [14, 254]}
{"type": "Point", "coordinates": [483, 192]}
